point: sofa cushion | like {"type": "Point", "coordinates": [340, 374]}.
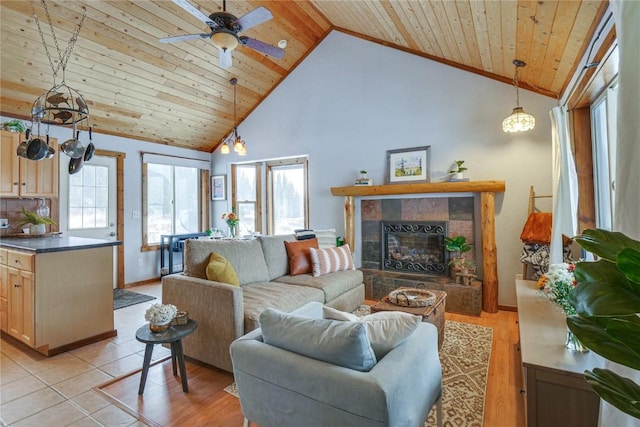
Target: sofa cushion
{"type": "Point", "coordinates": [298, 254]}
{"type": "Point", "coordinates": [385, 329]}
{"type": "Point", "coordinates": [220, 270]}
{"type": "Point", "coordinates": [329, 260]}
{"type": "Point", "coordinates": [260, 295]}
{"type": "Point", "coordinates": [244, 255]}
{"type": "Point", "coordinates": [326, 238]}
{"type": "Point", "coordinates": [275, 253]}
{"type": "Point", "coordinates": [339, 343]}
{"type": "Point", "coordinates": [333, 284]}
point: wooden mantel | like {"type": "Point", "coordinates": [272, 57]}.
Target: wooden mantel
{"type": "Point", "coordinates": [487, 190]}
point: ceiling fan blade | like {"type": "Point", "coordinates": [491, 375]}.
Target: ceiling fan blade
{"type": "Point", "coordinates": [253, 18]}
{"type": "Point", "coordinates": [183, 38]}
{"type": "Point", "coordinates": [263, 47]}
{"type": "Point", "coordinates": [195, 12]}
{"type": "Point", "coordinates": [224, 58]}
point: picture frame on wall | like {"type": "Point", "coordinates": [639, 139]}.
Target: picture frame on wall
{"type": "Point", "coordinates": [219, 187]}
{"type": "Point", "coordinates": [409, 165]}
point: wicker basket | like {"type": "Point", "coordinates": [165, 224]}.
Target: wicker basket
{"type": "Point", "coordinates": [412, 297]}
{"type": "Point", "coordinates": [181, 318]}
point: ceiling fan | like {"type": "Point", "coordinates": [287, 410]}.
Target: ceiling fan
{"type": "Point", "coordinates": [224, 31]}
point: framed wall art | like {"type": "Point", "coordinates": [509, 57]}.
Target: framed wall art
{"type": "Point", "coordinates": [219, 187]}
{"type": "Point", "coordinates": [408, 165]}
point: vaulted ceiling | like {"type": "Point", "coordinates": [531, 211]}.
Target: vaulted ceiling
{"type": "Point", "coordinates": [176, 94]}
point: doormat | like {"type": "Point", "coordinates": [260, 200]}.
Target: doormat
{"type": "Point", "coordinates": [124, 298]}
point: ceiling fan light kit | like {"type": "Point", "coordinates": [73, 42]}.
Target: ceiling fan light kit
{"type": "Point", "coordinates": [225, 29]}
{"type": "Point", "coordinates": [518, 120]}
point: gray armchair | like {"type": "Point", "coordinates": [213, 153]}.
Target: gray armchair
{"type": "Point", "coordinates": [278, 388]}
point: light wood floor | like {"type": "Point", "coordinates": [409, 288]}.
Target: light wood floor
{"type": "Point", "coordinates": [208, 404]}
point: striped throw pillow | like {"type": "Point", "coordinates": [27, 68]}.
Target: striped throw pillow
{"type": "Point", "coordinates": [328, 260]}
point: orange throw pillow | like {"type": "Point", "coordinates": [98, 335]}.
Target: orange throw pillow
{"type": "Point", "coordinates": [299, 258]}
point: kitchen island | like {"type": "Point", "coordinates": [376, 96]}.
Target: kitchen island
{"type": "Point", "coordinates": [56, 291]}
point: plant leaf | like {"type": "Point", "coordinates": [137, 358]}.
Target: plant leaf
{"type": "Point", "coordinates": [619, 391]}
{"type": "Point", "coordinates": [604, 299]}
{"type": "Point", "coordinates": [604, 272]}
{"type": "Point", "coordinates": [628, 262]}
{"type": "Point", "coordinates": [592, 332]}
{"type": "Point", "coordinates": [605, 244]}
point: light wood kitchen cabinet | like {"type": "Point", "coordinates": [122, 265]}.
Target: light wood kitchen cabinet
{"type": "Point", "coordinates": [58, 297]}
{"type": "Point", "coordinates": [4, 291]}
{"type": "Point", "coordinates": [20, 305]}
{"type": "Point", "coordinates": [20, 177]}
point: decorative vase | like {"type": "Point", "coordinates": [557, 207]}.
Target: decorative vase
{"type": "Point", "coordinates": [233, 230]}
{"type": "Point", "coordinates": [573, 343]}
{"type": "Point", "coordinates": [38, 229]}
{"type": "Point", "coordinates": [159, 327]}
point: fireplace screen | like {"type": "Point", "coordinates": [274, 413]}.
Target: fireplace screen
{"type": "Point", "coordinates": [416, 247]}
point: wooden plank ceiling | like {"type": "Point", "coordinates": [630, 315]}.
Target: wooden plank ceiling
{"type": "Point", "coordinates": [176, 94]}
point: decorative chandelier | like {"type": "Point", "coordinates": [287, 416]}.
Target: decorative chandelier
{"type": "Point", "coordinates": [234, 139]}
{"type": "Point", "coordinates": [519, 120]}
{"type": "Point", "coordinates": [60, 105]}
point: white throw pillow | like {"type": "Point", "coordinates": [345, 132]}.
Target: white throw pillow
{"type": "Point", "coordinates": [385, 329]}
{"type": "Point", "coordinates": [326, 238]}
{"type": "Point", "coordinates": [325, 261]}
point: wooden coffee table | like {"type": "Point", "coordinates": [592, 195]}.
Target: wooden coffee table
{"type": "Point", "coordinates": [433, 314]}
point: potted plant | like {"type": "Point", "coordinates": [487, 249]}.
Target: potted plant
{"type": "Point", "coordinates": [37, 222]}
{"type": "Point", "coordinates": [160, 316]}
{"type": "Point", "coordinates": [14, 126]}
{"type": "Point", "coordinates": [458, 246]}
{"type": "Point", "coordinates": [457, 171]}
{"type": "Point", "coordinates": [607, 302]}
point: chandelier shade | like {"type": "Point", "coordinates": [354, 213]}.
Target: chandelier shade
{"type": "Point", "coordinates": [518, 120]}
{"type": "Point", "coordinates": [234, 139]}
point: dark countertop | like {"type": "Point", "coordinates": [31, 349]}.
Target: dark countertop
{"type": "Point", "coordinates": [56, 243]}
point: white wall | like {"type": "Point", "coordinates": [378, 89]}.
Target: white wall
{"type": "Point", "coordinates": [351, 100]}
{"type": "Point", "coordinates": [132, 192]}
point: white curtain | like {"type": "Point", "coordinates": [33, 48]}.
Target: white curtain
{"type": "Point", "coordinates": [627, 199]}
{"type": "Point", "coordinates": [627, 195]}
{"type": "Point", "coordinates": [565, 185]}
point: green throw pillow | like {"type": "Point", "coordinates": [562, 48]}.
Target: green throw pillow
{"type": "Point", "coordinates": [220, 270]}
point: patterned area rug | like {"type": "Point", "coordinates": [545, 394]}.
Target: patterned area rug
{"type": "Point", "coordinates": [464, 357]}
{"type": "Point", "coordinates": [124, 298]}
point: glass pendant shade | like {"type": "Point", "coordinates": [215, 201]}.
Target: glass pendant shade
{"type": "Point", "coordinates": [224, 40]}
{"type": "Point", "coordinates": [243, 150]}
{"type": "Point", "coordinates": [518, 121]}
{"type": "Point", "coordinates": [225, 148]}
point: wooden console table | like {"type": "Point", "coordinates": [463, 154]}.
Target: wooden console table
{"type": "Point", "coordinates": [556, 394]}
{"type": "Point", "coordinates": [487, 190]}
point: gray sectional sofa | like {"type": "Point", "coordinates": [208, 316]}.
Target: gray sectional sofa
{"type": "Point", "coordinates": [225, 312]}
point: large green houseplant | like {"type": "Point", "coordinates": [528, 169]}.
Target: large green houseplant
{"type": "Point", "coordinates": [607, 301]}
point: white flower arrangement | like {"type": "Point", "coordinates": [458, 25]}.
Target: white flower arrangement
{"type": "Point", "coordinates": [160, 313]}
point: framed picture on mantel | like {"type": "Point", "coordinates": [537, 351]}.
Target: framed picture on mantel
{"type": "Point", "coordinates": [408, 165]}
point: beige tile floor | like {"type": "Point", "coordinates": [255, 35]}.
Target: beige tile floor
{"type": "Point", "coordinates": [57, 391]}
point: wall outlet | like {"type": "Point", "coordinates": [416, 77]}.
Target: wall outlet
{"type": "Point", "coordinates": [140, 262]}
{"type": "Point", "coordinates": [135, 214]}
{"type": "Point", "coordinates": [4, 223]}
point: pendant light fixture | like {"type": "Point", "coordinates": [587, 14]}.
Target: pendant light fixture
{"type": "Point", "coordinates": [60, 105]}
{"type": "Point", "coordinates": [234, 139]}
{"type": "Point", "coordinates": [519, 120]}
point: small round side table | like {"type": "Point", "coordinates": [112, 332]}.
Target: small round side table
{"type": "Point", "coordinates": [173, 336]}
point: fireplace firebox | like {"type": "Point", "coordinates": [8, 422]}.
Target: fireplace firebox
{"type": "Point", "coordinates": [416, 247]}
